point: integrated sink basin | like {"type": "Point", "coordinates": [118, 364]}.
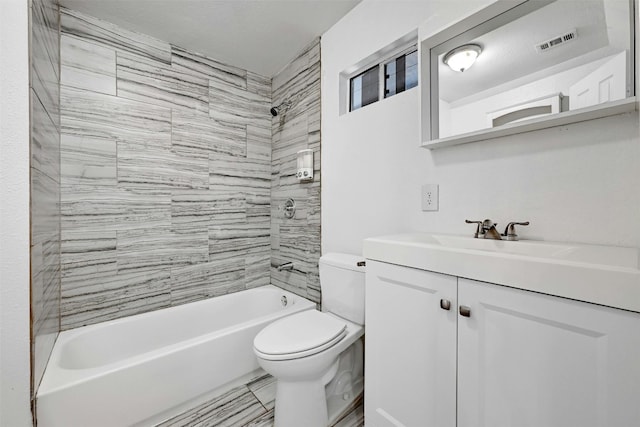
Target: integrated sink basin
{"type": "Point", "coordinates": [605, 255]}
{"type": "Point", "coordinates": [605, 275]}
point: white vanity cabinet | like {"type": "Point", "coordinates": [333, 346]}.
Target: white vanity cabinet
{"type": "Point", "coordinates": [520, 358]}
{"type": "Point", "coordinates": [410, 347]}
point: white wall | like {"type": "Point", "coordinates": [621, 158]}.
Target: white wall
{"type": "Point", "coordinates": [574, 183]}
{"type": "Point", "coordinates": [471, 115]}
{"type": "Point", "coordinates": [14, 214]}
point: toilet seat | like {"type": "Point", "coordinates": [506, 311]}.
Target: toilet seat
{"type": "Point", "coordinates": [299, 335]}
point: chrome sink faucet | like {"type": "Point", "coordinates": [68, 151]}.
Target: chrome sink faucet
{"type": "Point", "coordinates": [487, 230]}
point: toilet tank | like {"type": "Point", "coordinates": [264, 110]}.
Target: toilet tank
{"type": "Point", "coordinates": [342, 285]}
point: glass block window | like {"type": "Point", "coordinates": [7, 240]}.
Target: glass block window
{"type": "Point", "coordinates": [365, 88]}
{"type": "Point", "coordinates": [401, 74]}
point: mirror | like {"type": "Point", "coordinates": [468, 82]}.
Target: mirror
{"type": "Point", "coordinates": [538, 60]}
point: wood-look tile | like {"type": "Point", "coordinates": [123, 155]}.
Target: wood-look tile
{"type": "Point", "coordinates": [87, 65]}
{"type": "Point", "coordinates": [265, 420]}
{"type": "Point", "coordinates": [154, 82]}
{"type": "Point", "coordinates": [293, 69]}
{"type": "Point", "coordinates": [258, 142]}
{"type": "Point", "coordinates": [218, 410]}
{"type": "Point", "coordinates": [206, 280]}
{"type": "Point", "coordinates": [238, 237]}
{"type": "Point", "coordinates": [47, 90]}
{"type": "Point", "coordinates": [234, 175]}
{"type": "Point", "coordinates": [190, 283]}
{"type": "Point", "coordinates": [314, 122]}
{"type": "Point", "coordinates": [236, 105]}
{"type": "Point", "coordinates": [44, 24]}
{"type": "Point", "coordinates": [103, 116]}
{"type": "Point", "coordinates": [199, 209]}
{"type": "Point", "coordinates": [45, 183]}
{"type": "Point", "coordinates": [45, 56]}
{"type": "Point", "coordinates": [156, 248]}
{"type": "Point", "coordinates": [259, 85]}
{"type": "Point", "coordinates": [297, 240]}
{"type": "Point", "coordinates": [314, 290]}
{"type": "Point", "coordinates": [86, 255]}
{"type": "Point", "coordinates": [290, 138]}
{"type": "Point", "coordinates": [45, 140]}
{"type": "Point", "coordinates": [257, 268]}
{"type": "Point", "coordinates": [45, 207]}
{"type": "Point", "coordinates": [353, 416]}
{"type": "Point", "coordinates": [94, 30]}
{"type": "Point", "coordinates": [110, 297]}
{"type": "Point", "coordinates": [264, 388]}
{"type": "Point", "coordinates": [88, 161]}
{"type": "Point", "coordinates": [45, 284]}
{"type": "Point", "coordinates": [292, 282]}
{"type": "Point", "coordinates": [258, 207]}
{"type": "Point", "coordinates": [197, 134]}
{"type": "Point", "coordinates": [199, 65]}
{"type": "Point", "coordinates": [237, 407]}
{"type": "Point", "coordinates": [191, 210]}
{"type": "Point", "coordinates": [90, 208]}
{"type": "Point", "coordinates": [156, 167]}
{"type": "Point", "coordinates": [313, 206]}
{"type": "Point", "coordinates": [187, 191]}
{"type": "Point", "coordinates": [37, 277]}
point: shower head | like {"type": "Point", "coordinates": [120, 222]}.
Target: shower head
{"type": "Point", "coordinates": [282, 108]}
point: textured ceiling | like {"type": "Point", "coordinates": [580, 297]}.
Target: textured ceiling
{"type": "Point", "coordinates": [258, 35]}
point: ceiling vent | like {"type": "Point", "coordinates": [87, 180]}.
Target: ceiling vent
{"type": "Point", "coordinates": [556, 41]}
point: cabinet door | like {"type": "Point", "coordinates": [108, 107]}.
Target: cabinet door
{"type": "Point", "coordinates": [527, 359]}
{"type": "Point", "coordinates": [410, 347]}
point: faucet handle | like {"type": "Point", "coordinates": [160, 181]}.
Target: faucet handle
{"type": "Point", "coordinates": [479, 229]}
{"type": "Point", "coordinates": [510, 231]}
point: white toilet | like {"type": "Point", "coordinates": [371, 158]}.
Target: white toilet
{"type": "Point", "coordinates": [317, 357]}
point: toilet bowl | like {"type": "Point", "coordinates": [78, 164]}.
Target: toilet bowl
{"type": "Point", "coordinates": [317, 357]}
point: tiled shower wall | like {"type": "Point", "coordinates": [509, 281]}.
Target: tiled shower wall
{"type": "Point", "coordinates": [297, 240]}
{"type": "Point", "coordinates": [166, 174]}
{"type": "Point", "coordinates": [45, 184]}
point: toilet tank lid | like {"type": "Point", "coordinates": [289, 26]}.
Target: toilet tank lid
{"type": "Point", "coordinates": [346, 261]}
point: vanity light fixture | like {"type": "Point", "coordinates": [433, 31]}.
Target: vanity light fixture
{"type": "Point", "coordinates": [462, 57]}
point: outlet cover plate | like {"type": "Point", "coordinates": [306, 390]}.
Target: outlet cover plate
{"type": "Point", "coordinates": [429, 197]}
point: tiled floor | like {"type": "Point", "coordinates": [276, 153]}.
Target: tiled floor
{"type": "Point", "coordinates": [249, 405]}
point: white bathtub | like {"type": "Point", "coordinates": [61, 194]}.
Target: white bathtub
{"type": "Point", "coordinates": [125, 371]}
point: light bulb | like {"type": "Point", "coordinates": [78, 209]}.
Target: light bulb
{"type": "Point", "coordinates": [463, 57]}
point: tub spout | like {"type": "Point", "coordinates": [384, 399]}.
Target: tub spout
{"type": "Point", "coordinates": [285, 266]}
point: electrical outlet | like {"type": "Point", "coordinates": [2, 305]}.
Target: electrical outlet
{"type": "Point", "coordinates": [430, 197]}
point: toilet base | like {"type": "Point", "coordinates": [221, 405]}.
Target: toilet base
{"type": "Point", "coordinates": [347, 383]}
{"type": "Point", "coordinates": [304, 400]}
{"type": "Point", "coordinates": [321, 402]}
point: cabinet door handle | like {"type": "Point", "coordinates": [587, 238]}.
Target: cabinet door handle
{"type": "Point", "coordinates": [445, 304]}
{"type": "Point", "coordinates": [465, 311]}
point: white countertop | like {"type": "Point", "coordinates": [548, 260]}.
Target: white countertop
{"type": "Point", "coordinates": [604, 275]}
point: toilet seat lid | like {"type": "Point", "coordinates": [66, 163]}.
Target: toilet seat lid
{"type": "Point", "coordinates": [299, 335]}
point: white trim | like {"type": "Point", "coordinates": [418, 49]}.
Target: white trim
{"type": "Point", "coordinates": [15, 370]}
{"type": "Point", "coordinates": [613, 108]}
